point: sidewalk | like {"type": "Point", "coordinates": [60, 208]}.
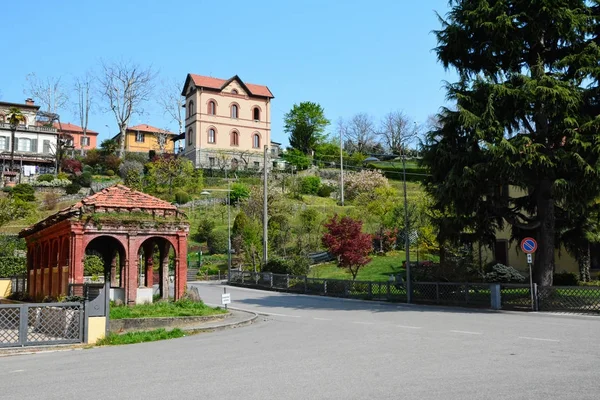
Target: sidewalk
{"type": "Point", "coordinates": [236, 319]}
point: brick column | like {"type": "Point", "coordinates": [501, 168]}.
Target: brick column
{"type": "Point", "coordinates": [181, 267]}
{"type": "Point", "coordinates": [131, 283]}
{"type": "Point", "coordinates": [76, 270]}
{"type": "Point", "coordinates": [113, 269]}
{"type": "Point", "coordinates": [149, 264]}
{"type": "Point", "coordinates": [164, 270]}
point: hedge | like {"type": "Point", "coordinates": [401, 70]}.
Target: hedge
{"type": "Point", "coordinates": [11, 266]}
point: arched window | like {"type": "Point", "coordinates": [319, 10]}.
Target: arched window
{"type": "Point", "coordinates": [189, 135]}
{"type": "Point", "coordinates": [234, 91]}
{"type": "Point", "coordinates": [234, 111]}
{"type": "Point", "coordinates": [212, 108]}
{"type": "Point", "coordinates": [235, 138]}
{"type": "Point", "coordinates": [212, 136]}
{"type": "Point", "coordinates": [256, 141]}
{"type": "Point", "coordinates": [256, 114]}
{"type": "Point", "coordinates": [191, 110]}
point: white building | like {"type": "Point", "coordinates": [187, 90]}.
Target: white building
{"type": "Point", "coordinates": [35, 145]}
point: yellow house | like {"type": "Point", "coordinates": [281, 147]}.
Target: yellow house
{"type": "Point", "coordinates": [509, 252]}
{"type": "Point", "coordinates": [143, 137]}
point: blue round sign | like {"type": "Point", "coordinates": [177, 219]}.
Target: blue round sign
{"type": "Point", "coordinates": [528, 245]}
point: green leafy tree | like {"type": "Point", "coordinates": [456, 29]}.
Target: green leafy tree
{"type": "Point", "coordinates": [93, 265]}
{"type": "Point", "coordinates": [239, 192]}
{"type": "Point", "coordinates": [305, 123]}
{"type": "Point", "coordinates": [297, 159]}
{"type": "Point", "coordinates": [520, 142]}
{"type": "Point", "coordinates": [12, 209]}
{"type": "Point", "coordinates": [168, 171]}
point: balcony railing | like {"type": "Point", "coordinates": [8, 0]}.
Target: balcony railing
{"type": "Point", "coordinates": [30, 128]}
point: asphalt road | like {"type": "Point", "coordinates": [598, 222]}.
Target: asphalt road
{"type": "Point", "coordinates": [323, 348]}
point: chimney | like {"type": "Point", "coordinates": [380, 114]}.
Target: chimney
{"type": "Point", "coordinates": [29, 101]}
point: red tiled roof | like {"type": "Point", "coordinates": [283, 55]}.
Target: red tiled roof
{"type": "Point", "coordinates": [113, 197]}
{"type": "Point", "coordinates": [149, 129]}
{"type": "Point", "coordinates": [120, 196]}
{"type": "Point", "coordinates": [216, 83]}
{"type": "Point", "coordinates": [68, 127]}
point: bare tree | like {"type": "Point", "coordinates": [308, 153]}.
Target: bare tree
{"type": "Point", "coordinates": [162, 136]}
{"type": "Point", "coordinates": [359, 132]}
{"type": "Point", "coordinates": [172, 102]}
{"type": "Point", "coordinates": [126, 87]}
{"type": "Point", "coordinates": [50, 92]}
{"type": "Point", "coordinates": [83, 103]}
{"type": "Point", "coordinates": [397, 131]}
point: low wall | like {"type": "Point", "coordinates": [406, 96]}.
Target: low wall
{"type": "Point", "coordinates": [143, 324]}
{"type": "Point", "coordinates": [5, 287]}
{"type": "Point", "coordinates": [96, 329]}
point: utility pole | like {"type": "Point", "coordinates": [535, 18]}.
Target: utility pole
{"type": "Point", "coordinates": [265, 216]}
{"type": "Point", "coordinates": [406, 233]}
{"type": "Point", "coordinates": [228, 229]}
{"type": "Point", "coordinates": [341, 169]}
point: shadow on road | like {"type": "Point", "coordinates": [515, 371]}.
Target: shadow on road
{"type": "Point", "coordinates": [296, 302]}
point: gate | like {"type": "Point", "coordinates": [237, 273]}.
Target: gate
{"type": "Point", "coordinates": [37, 324]}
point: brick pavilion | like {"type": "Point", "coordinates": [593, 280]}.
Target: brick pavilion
{"type": "Point", "coordinates": [126, 228]}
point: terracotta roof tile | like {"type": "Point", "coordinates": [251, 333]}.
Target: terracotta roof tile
{"type": "Point", "coordinates": [148, 128]}
{"type": "Point", "coordinates": [216, 83]}
{"type": "Point", "coordinates": [68, 127]}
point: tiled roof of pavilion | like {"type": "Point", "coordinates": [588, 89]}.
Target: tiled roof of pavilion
{"type": "Point", "coordinates": [113, 199]}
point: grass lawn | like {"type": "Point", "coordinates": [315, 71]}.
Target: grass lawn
{"type": "Point", "coordinates": [379, 269]}
{"type": "Point", "coordinates": [140, 337]}
{"type": "Point", "coordinates": [181, 308]}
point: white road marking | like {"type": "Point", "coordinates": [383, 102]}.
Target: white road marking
{"type": "Point", "coordinates": [363, 323]}
{"type": "Point", "coordinates": [281, 315]}
{"type": "Point", "coordinates": [17, 370]}
{"type": "Point", "coordinates": [538, 339]}
{"type": "Point", "coordinates": [468, 333]}
{"type": "Point", "coordinates": [322, 319]}
{"type": "Point", "coordinates": [408, 327]}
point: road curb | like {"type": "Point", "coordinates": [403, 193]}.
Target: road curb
{"type": "Point", "coordinates": [250, 319]}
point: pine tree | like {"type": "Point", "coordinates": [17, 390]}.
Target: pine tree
{"type": "Point", "coordinates": [520, 144]}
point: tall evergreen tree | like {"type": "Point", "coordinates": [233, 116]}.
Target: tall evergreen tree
{"type": "Point", "coordinates": [520, 145]}
{"type": "Point", "coordinates": [305, 123]}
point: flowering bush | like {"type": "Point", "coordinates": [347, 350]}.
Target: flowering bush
{"type": "Point", "coordinates": [53, 183]}
{"type": "Point", "coordinates": [71, 165]}
{"type": "Point", "coordinates": [365, 181]}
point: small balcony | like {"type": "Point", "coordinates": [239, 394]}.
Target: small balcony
{"type": "Point", "coordinates": [29, 128]}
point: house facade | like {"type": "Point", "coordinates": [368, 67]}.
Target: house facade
{"type": "Point", "coordinates": [228, 122]}
{"type": "Point", "coordinates": [143, 137]}
{"type": "Point", "coordinates": [75, 138]}
{"type": "Point", "coordinates": [35, 145]}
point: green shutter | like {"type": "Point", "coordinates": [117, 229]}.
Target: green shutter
{"type": "Point", "coordinates": [33, 145]}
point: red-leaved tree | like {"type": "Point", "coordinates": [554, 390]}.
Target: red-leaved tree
{"type": "Point", "coordinates": [344, 239]}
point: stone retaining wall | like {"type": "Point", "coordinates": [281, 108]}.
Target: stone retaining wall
{"type": "Point", "coordinates": [143, 324]}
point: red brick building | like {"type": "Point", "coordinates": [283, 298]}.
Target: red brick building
{"type": "Point", "coordinates": [125, 227]}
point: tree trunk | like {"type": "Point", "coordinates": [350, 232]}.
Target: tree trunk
{"type": "Point", "coordinates": [123, 132]}
{"type": "Point", "coordinates": [584, 260]}
{"type": "Point", "coordinates": [544, 257]}
{"type": "Point", "coordinates": [12, 149]}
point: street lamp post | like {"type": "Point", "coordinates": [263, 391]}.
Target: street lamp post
{"type": "Point", "coordinates": [406, 233]}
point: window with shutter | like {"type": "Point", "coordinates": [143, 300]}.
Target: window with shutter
{"type": "Point", "coordinates": [3, 143]}
{"type": "Point", "coordinates": [46, 148]}
{"type": "Point", "coordinates": [33, 146]}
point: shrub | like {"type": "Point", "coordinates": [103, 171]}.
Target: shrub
{"type": "Point", "coordinates": [85, 179]}
{"type": "Point", "coordinates": [209, 270]}
{"type": "Point", "coordinates": [325, 191]}
{"type": "Point", "coordinates": [565, 279]}
{"type": "Point", "coordinates": [93, 265]}
{"type": "Point", "coordinates": [11, 266]}
{"type": "Point", "coordinates": [142, 158]}
{"type": "Point", "coordinates": [73, 188]}
{"type": "Point", "coordinates": [53, 183]}
{"type": "Point", "coordinates": [92, 157]}
{"type": "Point", "coordinates": [112, 161]}
{"type": "Point", "coordinates": [132, 171]}
{"type": "Point", "coordinates": [218, 242]}
{"type": "Point", "coordinates": [110, 172]}
{"type": "Point", "coordinates": [239, 192]}
{"type": "Point", "coordinates": [71, 165]}
{"type": "Point", "coordinates": [182, 197]}
{"type": "Point", "coordinates": [45, 178]}
{"type": "Point", "coordinates": [7, 189]}
{"type": "Point", "coordinates": [88, 168]}
{"type": "Point", "coordinates": [365, 181]}
{"type": "Point", "coordinates": [63, 176]}
{"type": "Point", "coordinates": [23, 192]}
{"type": "Point", "coordinates": [502, 274]}
{"type": "Point", "coordinates": [205, 228]}
{"type": "Point", "coordinates": [240, 223]}
{"type": "Point", "coordinates": [278, 265]}
{"type": "Point", "coordinates": [310, 185]}
{"type": "Point", "coordinates": [50, 200]}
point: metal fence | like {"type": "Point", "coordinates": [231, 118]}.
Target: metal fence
{"type": "Point", "coordinates": [572, 299]}
{"type": "Point", "coordinates": [40, 324]}
{"type": "Point", "coordinates": [518, 297]}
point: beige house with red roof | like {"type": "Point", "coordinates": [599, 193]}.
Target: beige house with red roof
{"type": "Point", "coordinates": [143, 137]}
{"type": "Point", "coordinates": [228, 122]}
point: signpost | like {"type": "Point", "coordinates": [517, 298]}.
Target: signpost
{"type": "Point", "coordinates": [225, 298]}
{"type": "Point", "coordinates": [529, 246]}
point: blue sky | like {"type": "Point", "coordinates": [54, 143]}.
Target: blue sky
{"type": "Point", "coordinates": [352, 56]}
